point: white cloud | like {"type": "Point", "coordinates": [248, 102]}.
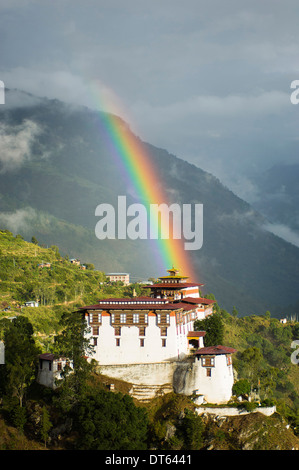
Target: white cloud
{"type": "Point", "coordinates": [15, 144]}
{"type": "Point", "coordinates": [283, 232]}
{"type": "Point", "coordinates": [18, 221]}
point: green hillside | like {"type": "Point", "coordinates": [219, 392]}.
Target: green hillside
{"type": "Point", "coordinates": [58, 286]}
{"type": "Point", "coordinates": [263, 360]}
{"type": "Point", "coordinates": [264, 346]}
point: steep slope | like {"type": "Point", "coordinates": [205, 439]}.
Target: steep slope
{"type": "Point", "coordinates": [278, 198]}
{"type": "Point", "coordinates": [56, 168]}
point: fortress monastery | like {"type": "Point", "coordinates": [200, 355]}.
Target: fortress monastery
{"type": "Point", "coordinates": [151, 343]}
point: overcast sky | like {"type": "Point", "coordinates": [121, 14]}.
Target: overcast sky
{"type": "Point", "coordinates": [207, 80]}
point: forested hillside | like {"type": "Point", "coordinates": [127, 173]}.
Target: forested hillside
{"type": "Point", "coordinates": [61, 419]}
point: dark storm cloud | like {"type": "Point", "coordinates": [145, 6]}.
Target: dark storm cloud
{"type": "Point", "coordinates": [208, 81]}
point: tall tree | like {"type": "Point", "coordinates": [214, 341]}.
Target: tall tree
{"type": "Point", "coordinates": [45, 425]}
{"type": "Point", "coordinates": [21, 355]}
{"type": "Point", "coordinates": [74, 344]}
{"type": "Point", "coordinates": [214, 328]}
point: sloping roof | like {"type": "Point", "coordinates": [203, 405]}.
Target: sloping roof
{"type": "Point", "coordinates": [215, 350]}
{"type": "Point", "coordinates": [196, 334]}
{"type": "Point", "coordinates": [134, 299]}
{"type": "Point", "coordinates": [198, 300]}
{"type": "Point", "coordinates": [117, 274]}
{"type": "Point", "coordinates": [147, 303]}
{"type": "Point", "coordinates": [137, 306]}
{"type": "Point", "coordinates": [50, 357]}
{"type": "Point", "coordinates": [47, 356]}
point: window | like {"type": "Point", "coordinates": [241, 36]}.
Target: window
{"type": "Point", "coordinates": [163, 343]}
{"type": "Point", "coordinates": [123, 318]}
{"type": "Point", "coordinates": [145, 318]}
{"type": "Point", "coordinates": [95, 341]}
{"type": "Point", "coordinates": [95, 330]}
{"type": "Point", "coordinates": [167, 318]}
{"type": "Point", "coordinates": [94, 317]}
{"type": "Point", "coordinates": [59, 366]}
{"type": "Point", "coordinates": [135, 318]}
{"type": "Point", "coordinates": [208, 361]}
{"type": "Point", "coordinates": [117, 342]}
{"type": "Point", "coordinates": [117, 331]}
{"type": "Point", "coordinates": [141, 342]}
{"type": "Point", "coordinates": [141, 331]}
{"type": "Point", "coordinates": [112, 317]}
{"type": "Point", "coordinates": [164, 331]}
{"type": "Point", "coordinates": [159, 318]}
{"type": "Point", "coordinates": [209, 372]}
{"type": "Point", "coordinates": [50, 365]}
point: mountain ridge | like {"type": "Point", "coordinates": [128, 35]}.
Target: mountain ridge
{"type": "Point", "coordinates": [68, 170]}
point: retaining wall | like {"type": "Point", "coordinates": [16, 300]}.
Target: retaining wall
{"type": "Point", "coordinates": [267, 411]}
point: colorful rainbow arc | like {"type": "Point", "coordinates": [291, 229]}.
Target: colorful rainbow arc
{"type": "Point", "coordinates": [140, 171]}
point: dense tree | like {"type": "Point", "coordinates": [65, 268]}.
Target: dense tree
{"type": "Point", "coordinates": [34, 240]}
{"type": "Point", "coordinates": [214, 328]}
{"type": "Point", "coordinates": [45, 425]}
{"type": "Point", "coordinates": [235, 312]}
{"type": "Point", "coordinates": [249, 364]}
{"type": "Point", "coordinates": [20, 357]}
{"type": "Point", "coordinates": [241, 387]}
{"type": "Point", "coordinates": [191, 429]}
{"type": "Point", "coordinates": [109, 421]}
{"type": "Point", "coordinates": [73, 343]}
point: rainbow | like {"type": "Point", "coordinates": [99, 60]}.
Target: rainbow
{"type": "Point", "coordinates": [140, 172]}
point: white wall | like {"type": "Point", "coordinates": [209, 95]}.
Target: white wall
{"type": "Point", "coordinates": [192, 378]}
{"type": "Point", "coordinates": [141, 374]}
{"type": "Point", "coordinates": [267, 411]}
{"type": "Point", "coordinates": [48, 377]}
{"type": "Point", "coordinates": [130, 351]}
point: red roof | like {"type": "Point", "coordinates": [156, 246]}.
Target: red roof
{"type": "Point", "coordinates": [215, 350]}
{"type": "Point", "coordinates": [148, 303]}
{"type": "Point", "coordinates": [196, 334]}
{"type": "Point", "coordinates": [47, 356]}
{"type": "Point", "coordinates": [138, 306]}
{"type": "Point", "coordinates": [198, 300]}
{"type": "Point", "coordinates": [132, 299]}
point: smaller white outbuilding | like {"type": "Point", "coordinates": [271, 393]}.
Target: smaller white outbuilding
{"type": "Point", "coordinates": [50, 369]}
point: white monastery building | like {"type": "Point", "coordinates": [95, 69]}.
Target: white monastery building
{"type": "Point", "coordinates": [151, 342]}
{"type": "Point", "coordinates": [149, 329]}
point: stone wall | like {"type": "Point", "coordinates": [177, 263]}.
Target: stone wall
{"type": "Point", "coordinates": [228, 411]}
{"type": "Point", "coordinates": [186, 377]}
{"type": "Point", "coordinates": [141, 374]}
